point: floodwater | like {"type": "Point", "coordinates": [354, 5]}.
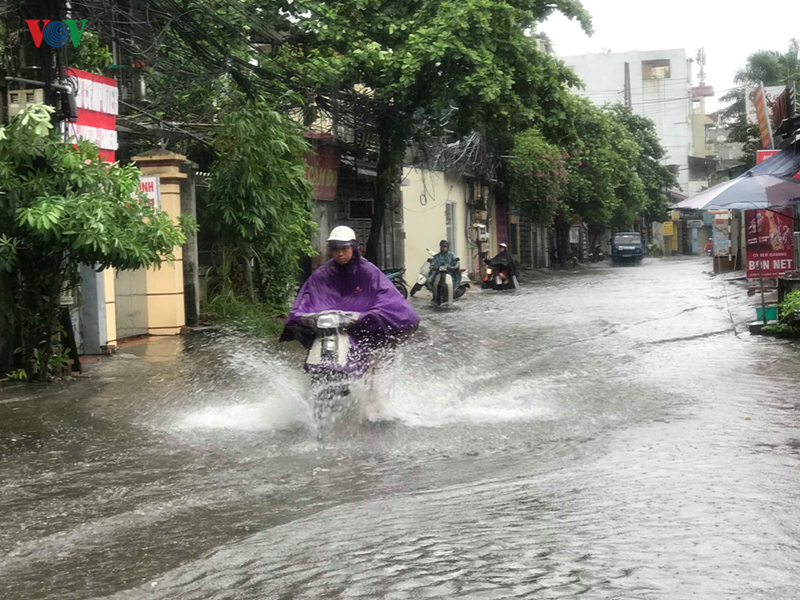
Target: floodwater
{"type": "Point", "coordinates": [607, 433]}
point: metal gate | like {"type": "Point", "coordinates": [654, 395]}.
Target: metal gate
{"type": "Point", "coordinates": [131, 303]}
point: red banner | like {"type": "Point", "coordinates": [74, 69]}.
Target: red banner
{"type": "Point", "coordinates": [769, 243]}
{"type": "Point", "coordinates": [762, 155]}
{"type": "Point", "coordinates": [97, 99]}
{"type": "Point", "coordinates": [322, 166]}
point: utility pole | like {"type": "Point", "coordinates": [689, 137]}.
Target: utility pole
{"type": "Point", "coordinates": [628, 96]}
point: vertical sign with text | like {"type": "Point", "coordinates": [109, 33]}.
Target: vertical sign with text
{"type": "Point", "coordinates": [770, 247]}
{"type": "Point", "coordinates": [151, 186]}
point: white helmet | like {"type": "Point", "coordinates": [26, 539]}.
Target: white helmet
{"type": "Point", "coordinates": [342, 233]}
{"type": "Point", "coordinates": [503, 245]}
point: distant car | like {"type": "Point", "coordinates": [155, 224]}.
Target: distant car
{"type": "Point", "coordinates": [627, 246]}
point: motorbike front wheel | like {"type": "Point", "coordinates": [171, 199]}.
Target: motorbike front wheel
{"type": "Point", "coordinates": [328, 396]}
{"type": "Point", "coordinates": [400, 287]}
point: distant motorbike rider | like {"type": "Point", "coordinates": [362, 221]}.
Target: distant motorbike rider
{"type": "Point", "coordinates": [504, 269]}
{"type": "Point", "coordinates": [504, 259]}
{"type": "Point", "coordinates": [349, 282]}
{"type": "Point", "coordinates": [445, 258]}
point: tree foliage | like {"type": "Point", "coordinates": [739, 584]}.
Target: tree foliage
{"type": "Point", "coordinates": [655, 177]}
{"type": "Point", "coordinates": [61, 206]}
{"type": "Point", "coordinates": [259, 202]}
{"type": "Point", "coordinates": [90, 55]}
{"type": "Point", "coordinates": [538, 176]}
{"type": "Point", "coordinates": [431, 64]}
{"type": "Point", "coordinates": [601, 166]}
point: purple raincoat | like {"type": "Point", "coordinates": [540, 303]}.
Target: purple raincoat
{"type": "Point", "coordinates": [358, 286]}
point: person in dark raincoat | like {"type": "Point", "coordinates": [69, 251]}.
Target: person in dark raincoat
{"type": "Point", "coordinates": [504, 258]}
{"type": "Point", "coordinates": [349, 282]}
{"type": "Point", "coordinates": [444, 258]}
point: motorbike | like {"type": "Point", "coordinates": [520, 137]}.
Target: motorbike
{"type": "Point", "coordinates": [498, 277]}
{"type": "Point", "coordinates": [334, 362]}
{"type": "Point", "coordinates": [597, 254]}
{"type": "Point", "coordinates": [441, 288]}
{"type": "Point", "coordinates": [396, 277]}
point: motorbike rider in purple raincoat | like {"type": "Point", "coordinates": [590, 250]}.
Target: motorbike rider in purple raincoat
{"type": "Point", "coordinates": [349, 282]}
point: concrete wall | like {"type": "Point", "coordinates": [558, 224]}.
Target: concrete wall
{"type": "Point", "coordinates": [666, 101]}
{"type": "Point", "coordinates": [425, 196]}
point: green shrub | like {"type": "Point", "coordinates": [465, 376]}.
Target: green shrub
{"type": "Point", "coordinates": [788, 317]}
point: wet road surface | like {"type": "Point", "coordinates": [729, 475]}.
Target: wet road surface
{"type": "Point", "coordinates": [609, 433]}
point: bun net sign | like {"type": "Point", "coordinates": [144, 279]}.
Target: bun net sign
{"type": "Point", "coordinates": [98, 105]}
{"type": "Point", "coordinates": [770, 248]}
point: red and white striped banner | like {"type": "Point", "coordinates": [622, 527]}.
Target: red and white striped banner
{"type": "Point", "coordinates": [97, 98]}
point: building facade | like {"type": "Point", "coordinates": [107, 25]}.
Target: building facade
{"type": "Point", "coordinates": [656, 84]}
{"type": "Point", "coordinates": [435, 208]}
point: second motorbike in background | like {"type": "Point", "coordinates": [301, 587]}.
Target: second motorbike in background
{"type": "Point", "coordinates": [396, 277]}
{"type": "Point", "coordinates": [441, 285]}
{"type": "Point", "coordinates": [498, 277]}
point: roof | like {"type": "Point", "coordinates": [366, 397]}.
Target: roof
{"type": "Point", "coordinates": [785, 163]}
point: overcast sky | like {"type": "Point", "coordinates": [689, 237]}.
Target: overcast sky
{"type": "Point", "coordinates": [728, 30]}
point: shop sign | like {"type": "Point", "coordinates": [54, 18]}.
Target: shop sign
{"type": "Point", "coordinates": [97, 99]}
{"type": "Point", "coordinates": [770, 247]}
{"type": "Point", "coordinates": [322, 169]}
{"type": "Point", "coordinates": [669, 228]}
{"type": "Point", "coordinates": [722, 237]}
{"type": "Point", "coordinates": [694, 224]}
{"type": "Point", "coordinates": [151, 186]}
{"type": "Point", "coordinates": [762, 155]}
{"type": "Point", "coordinates": [772, 92]}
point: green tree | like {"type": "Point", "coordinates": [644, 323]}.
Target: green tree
{"type": "Point", "coordinates": [467, 63]}
{"type": "Point", "coordinates": [259, 202]}
{"type": "Point", "coordinates": [656, 178]}
{"type": "Point", "coordinates": [603, 186]}
{"type": "Point", "coordinates": [538, 176]}
{"type": "Point", "coordinates": [90, 55]}
{"type": "Point", "coordinates": [62, 206]}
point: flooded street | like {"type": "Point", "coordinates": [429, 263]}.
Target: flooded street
{"type": "Point", "coordinates": [607, 433]}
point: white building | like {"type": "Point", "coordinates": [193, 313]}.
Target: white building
{"type": "Point", "coordinates": [659, 88]}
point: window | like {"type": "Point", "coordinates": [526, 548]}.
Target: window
{"type": "Point", "coordinates": [360, 208]}
{"type": "Point", "coordinates": [655, 69]}
{"type": "Point", "coordinates": [450, 220]}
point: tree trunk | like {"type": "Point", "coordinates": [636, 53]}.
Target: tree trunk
{"type": "Point", "coordinates": [391, 132]}
{"type": "Point", "coordinates": [7, 329]}
{"type": "Point", "coordinates": [562, 227]}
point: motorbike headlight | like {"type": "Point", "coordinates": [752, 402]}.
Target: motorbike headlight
{"type": "Point", "coordinates": [328, 321]}
{"type": "Point", "coordinates": [489, 271]}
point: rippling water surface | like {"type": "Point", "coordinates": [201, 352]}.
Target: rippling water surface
{"type": "Point", "coordinates": [611, 433]}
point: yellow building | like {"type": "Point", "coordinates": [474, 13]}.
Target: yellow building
{"type": "Point", "coordinates": [434, 208]}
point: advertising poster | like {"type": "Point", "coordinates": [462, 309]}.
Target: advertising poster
{"type": "Point", "coordinates": [721, 232]}
{"type": "Point", "coordinates": [769, 243]}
